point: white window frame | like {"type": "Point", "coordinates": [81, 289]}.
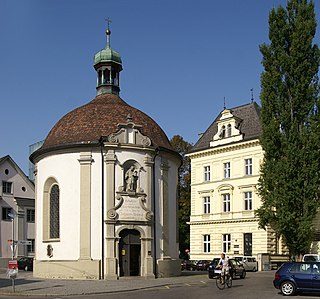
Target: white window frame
{"type": "Point", "coordinates": [226, 200]}
{"type": "Point", "coordinates": [248, 166]}
{"type": "Point", "coordinates": [227, 170]}
{"type": "Point", "coordinates": [226, 242]}
{"type": "Point", "coordinates": [206, 243]}
{"type": "Point", "coordinates": [206, 204]}
{"type": "Point", "coordinates": [248, 201]}
{"type": "Point", "coordinates": [207, 173]}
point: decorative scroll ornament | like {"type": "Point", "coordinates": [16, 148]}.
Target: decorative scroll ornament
{"type": "Point", "coordinates": [112, 214]}
{"type": "Point", "coordinates": [113, 138]}
{"type": "Point", "coordinates": [146, 141]}
{"type": "Point", "coordinates": [148, 214]}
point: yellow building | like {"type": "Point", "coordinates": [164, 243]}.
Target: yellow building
{"type": "Point", "coordinates": [225, 164]}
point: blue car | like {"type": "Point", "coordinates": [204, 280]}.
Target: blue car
{"type": "Point", "coordinates": [293, 277]}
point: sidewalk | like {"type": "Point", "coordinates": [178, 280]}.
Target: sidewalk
{"type": "Point", "coordinates": [27, 285]}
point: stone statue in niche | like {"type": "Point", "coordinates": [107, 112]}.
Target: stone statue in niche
{"type": "Point", "coordinates": [131, 178]}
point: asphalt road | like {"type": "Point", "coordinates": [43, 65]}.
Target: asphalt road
{"type": "Point", "coordinates": [254, 286]}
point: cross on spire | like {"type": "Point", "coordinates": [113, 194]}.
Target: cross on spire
{"type": "Point", "coordinates": [108, 20]}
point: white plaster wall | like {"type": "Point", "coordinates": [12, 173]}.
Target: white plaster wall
{"type": "Point", "coordinates": [65, 169]}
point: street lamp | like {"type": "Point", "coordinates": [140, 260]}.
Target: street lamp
{"type": "Point", "coordinates": [13, 215]}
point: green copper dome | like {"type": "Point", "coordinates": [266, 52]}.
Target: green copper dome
{"type": "Point", "coordinates": [107, 54]}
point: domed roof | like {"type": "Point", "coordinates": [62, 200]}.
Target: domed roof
{"type": "Point", "coordinates": [107, 54]}
{"type": "Point", "coordinates": [100, 117]}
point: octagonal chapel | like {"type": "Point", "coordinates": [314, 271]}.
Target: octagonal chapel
{"type": "Point", "coordinates": [106, 180]}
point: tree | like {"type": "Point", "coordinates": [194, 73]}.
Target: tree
{"type": "Point", "coordinates": [184, 192]}
{"type": "Point", "coordinates": [289, 181]}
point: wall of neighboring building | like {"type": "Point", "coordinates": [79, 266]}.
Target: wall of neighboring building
{"type": "Point", "coordinates": [238, 221]}
{"type": "Point", "coordinates": [19, 198]}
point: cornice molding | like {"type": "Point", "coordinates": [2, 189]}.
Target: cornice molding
{"type": "Point", "coordinates": [224, 149]}
{"type": "Point", "coordinates": [224, 221]}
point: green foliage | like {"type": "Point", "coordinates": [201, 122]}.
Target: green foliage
{"type": "Point", "coordinates": [289, 181]}
{"type": "Point", "coordinates": [184, 191]}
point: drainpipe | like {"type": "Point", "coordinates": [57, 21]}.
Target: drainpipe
{"type": "Point", "coordinates": [102, 209]}
{"type": "Point", "coordinates": [154, 214]}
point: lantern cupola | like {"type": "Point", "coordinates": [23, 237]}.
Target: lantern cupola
{"type": "Point", "coordinates": [108, 65]}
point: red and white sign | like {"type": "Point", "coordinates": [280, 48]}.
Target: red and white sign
{"type": "Point", "coordinates": [12, 264]}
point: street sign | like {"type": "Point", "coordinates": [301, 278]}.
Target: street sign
{"type": "Point", "coordinates": [12, 264]}
{"type": "Point", "coordinates": [24, 242]}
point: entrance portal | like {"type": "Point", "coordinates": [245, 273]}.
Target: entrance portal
{"type": "Point", "coordinates": [130, 252]}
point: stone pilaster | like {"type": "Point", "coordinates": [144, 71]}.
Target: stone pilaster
{"type": "Point", "coordinates": [110, 257]}
{"type": "Point", "coordinates": [164, 167]}
{"type": "Point", "coordinates": [85, 205]}
{"type": "Point", "coordinates": [146, 243]}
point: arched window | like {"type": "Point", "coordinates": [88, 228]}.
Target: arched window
{"type": "Point", "coordinates": [54, 212]}
{"type": "Point", "coordinates": [51, 210]}
{"type": "Point", "coordinates": [99, 77]}
{"type": "Point", "coordinates": [229, 130]}
{"type": "Point", "coordinates": [105, 76]}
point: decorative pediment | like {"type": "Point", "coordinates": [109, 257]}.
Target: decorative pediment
{"type": "Point", "coordinates": [228, 129]}
{"type": "Point", "coordinates": [129, 133]}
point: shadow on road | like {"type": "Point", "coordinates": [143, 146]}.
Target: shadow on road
{"type": "Point", "coordinates": [6, 282]}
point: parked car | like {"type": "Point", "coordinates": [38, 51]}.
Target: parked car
{"type": "Point", "coordinates": [213, 264]}
{"type": "Point", "coordinates": [249, 262]}
{"type": "Point", "coordinates": [202, 265]}
{"type": "Point", "coordinates": [293, 277]}
{"type": "Point", "coordinates": [310, 257]}
{"type": "Point", "coordinates": [25, 263]}
{"type": "Point", "coordinates": [188, 265]}
{"type": "Point", "coordinates": [236, 268]}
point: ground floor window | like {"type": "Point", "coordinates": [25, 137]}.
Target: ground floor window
{"type": "Point", "coordinates": [226, 242]}
{"type": "Point", "coordinates": [206, 243]}
{"type": "Point", "coordinates": [247, 242]}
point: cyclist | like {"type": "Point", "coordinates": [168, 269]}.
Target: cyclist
{"type": "Point", "coordinates": [223, 265]}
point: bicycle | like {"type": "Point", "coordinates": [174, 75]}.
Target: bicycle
{"type": "Point", "coordinates": [223, 279]}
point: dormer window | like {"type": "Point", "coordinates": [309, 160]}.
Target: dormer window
{"type": "Point", "coordinates": [229, 130]}
{"type": "Point", "coordinates": [222, 132]}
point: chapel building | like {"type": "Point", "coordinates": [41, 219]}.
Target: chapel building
{"type": "Point", "coordinates": [106, 181]}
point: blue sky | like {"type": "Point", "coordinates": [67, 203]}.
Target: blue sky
{"type": "Point", "coordinates": [180, 59]}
